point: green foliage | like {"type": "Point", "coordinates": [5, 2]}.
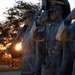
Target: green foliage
{"type": "Point", "coordinates": [9, 69]}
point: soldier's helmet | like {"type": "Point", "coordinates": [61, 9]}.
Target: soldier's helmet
{"type": "Point", "coordinates": [63, 3]}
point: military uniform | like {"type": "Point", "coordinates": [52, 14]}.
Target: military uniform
{"type": "Point", "coordinates": [53, 52]}
{"type": "Point", "coordinates": [28, 53]}
{"type": "Point", "coordinates": [56, 56]}
{"type": "Point", "coordinates": [28, 46]}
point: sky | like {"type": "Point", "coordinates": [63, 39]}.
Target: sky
{"type": "Point", "coordinates": [9, 3]}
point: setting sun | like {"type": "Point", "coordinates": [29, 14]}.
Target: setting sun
{"type": "Point", "coordinates": [18, 46]}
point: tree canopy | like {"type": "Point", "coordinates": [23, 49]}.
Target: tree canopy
{"type": "Point", "coordinates": [11, 26]}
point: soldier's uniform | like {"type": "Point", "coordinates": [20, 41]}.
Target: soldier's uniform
{"type": "Point", "coordinates": [56, 56]}
{"type": "Point", "coordinates": [53, 51]}
{"type": "Point", "coordinates": [28, 52]}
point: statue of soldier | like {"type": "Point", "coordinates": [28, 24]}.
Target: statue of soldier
{"type": "Point", "coordinates": [28, 45]}
{"type": "Point", "coordinates": [56, 56]}
{"type": "Point", "coordinates": [67, 29]}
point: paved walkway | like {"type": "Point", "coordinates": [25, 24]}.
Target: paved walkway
{"type": "Point", "coordinates": [10, 73]}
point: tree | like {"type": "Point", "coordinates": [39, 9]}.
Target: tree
{"type": "Point", "coordinates": [14, 20]}
{"type": "Point", "coordinates": [9, 28]}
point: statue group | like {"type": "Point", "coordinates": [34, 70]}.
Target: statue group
{"type": "Point", "coordinates": [48, 40]}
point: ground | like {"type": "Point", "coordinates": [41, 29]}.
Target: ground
{"type": "Point", "coordinates": [11, 73]}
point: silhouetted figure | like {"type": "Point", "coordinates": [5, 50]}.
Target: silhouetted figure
{"type": "Point", "coordinates": [29, 46]}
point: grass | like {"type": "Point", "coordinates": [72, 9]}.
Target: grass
{"type": "Point", "coordinates": [9, 69]}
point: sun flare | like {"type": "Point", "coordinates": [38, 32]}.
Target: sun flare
{"type": "Point", "coordinates": [18, 47]}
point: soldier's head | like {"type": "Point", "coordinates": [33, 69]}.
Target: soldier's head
{"type": "Point", "coordinates": [61, 7]}
{"type": "Point", "coordinates": [28, 17]}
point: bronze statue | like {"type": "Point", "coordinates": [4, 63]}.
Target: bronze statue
{"type": "Point", "coordinates": [67, 30]}
{"type": "Point", "coordinates": [45, 52]}
{"type": "Point", "coordinates": [28, 46]}
{"type": "Point", "coordinates": [53, 56]}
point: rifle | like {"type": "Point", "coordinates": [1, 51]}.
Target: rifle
{"type": "Point", "coordinates": [37, 18]}
{"type": "Point", "coordinates": [45, 51]}
{"type": "Point", "coordinates": [39, 12]}
{"type": "Point", "coordinates": [46, 57]}
{"type": "Point", "coordinates": [71, 16]}
{"type": "Point", "coordinates": [11, 47]}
